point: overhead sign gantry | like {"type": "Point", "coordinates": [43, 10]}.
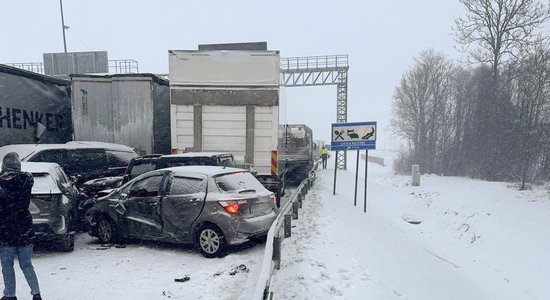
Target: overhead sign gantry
{"type": "Point", "coordinates": [321, 70]}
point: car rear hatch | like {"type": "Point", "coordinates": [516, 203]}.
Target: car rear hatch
{"type": "Point", "coordinates": [245, 195]}
{"type": "Point", "coordinates": [45, 205]}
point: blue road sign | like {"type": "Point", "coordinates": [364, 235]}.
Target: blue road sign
{"type": "Point", "coordinates": [353, 136]}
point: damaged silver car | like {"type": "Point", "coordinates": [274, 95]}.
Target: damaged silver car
{"type": "Point", "coordinates": [209, 206]}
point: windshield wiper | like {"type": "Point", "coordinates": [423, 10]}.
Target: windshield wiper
{"type": "Point", "coordinates": [246, 191]}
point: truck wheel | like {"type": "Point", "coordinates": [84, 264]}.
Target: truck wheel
{"type": "Point", "coordinates": [211, 241]}
{"type": "Point", "coordinates": [106, 231]}
{"type": "Point", "coordinates": [66, 243]}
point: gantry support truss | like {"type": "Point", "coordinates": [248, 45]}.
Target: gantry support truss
{"type": "Point", "coordinates": [321, 70]}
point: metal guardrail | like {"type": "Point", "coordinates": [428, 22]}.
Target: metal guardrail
{"type": "Point", "coordinates": [279, 230]}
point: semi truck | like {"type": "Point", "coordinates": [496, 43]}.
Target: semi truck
{"type": "Point", "coordinates": [297, 149]}
{"type": "Point", "coordinates": [228, 101]}
{"type": "Point", "coordinates": [129, 109]}
{"type": "Point", "coordinates": [33, 108]}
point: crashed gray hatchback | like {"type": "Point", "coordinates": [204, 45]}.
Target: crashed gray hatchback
{"type": "Point", "coordinates": [208, 206]}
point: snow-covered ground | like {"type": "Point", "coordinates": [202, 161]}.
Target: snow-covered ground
{"type": "Point", "coordinates": [475, 240]}
{"type": "Point", "coordinates": [141, 271]}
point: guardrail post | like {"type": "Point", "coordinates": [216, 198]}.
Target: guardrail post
{"type": "Point", "coordinates": [295, 210]}
{"type": "Point", "coordinates": [277, 252]}
{"type": "Point", "coordinates": [288, 225]}
{"type": "Point", "coordinates": [300, 200]}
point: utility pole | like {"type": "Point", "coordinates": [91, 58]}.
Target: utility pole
{"type": "Point", "coordinates": [64, 39]}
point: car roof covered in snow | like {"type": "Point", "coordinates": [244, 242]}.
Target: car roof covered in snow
{"type": "Point", "coordinates": [206, 170]}
{"type": "Point", "coordinates": [38, 167]}
{"type": "Point", "coordinates": [25, 150]}
{"type": "Point", "coordinates": [198, 154]}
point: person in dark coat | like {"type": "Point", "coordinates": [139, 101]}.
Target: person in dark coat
{"type": "Point", "coordinates": [16, 231]}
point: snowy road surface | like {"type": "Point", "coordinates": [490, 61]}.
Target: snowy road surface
{"type": "Point", "coordinates": [474, 240]}
{"type": "Point", "coordinates": [141, 271]}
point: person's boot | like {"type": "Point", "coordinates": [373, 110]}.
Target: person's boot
{"type": "Point", "coordinates": [36, 297]}
{"type": "Point", "coordinates": [8, 298]}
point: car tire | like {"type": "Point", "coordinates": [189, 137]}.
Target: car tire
{"type": "Point", "coordinates": [211, 241]}
{"type": "Point", "coordinates": [66, 243]}
{"type": "Point", "coordinates": [106, 230]}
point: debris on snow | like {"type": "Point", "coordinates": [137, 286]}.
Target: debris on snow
{"type": "Point", "coordinates": [239, 269]}
{"type": "Point", "coordinates": [183, 279]}
{"type": "Point", "coordinates": [410, 219]}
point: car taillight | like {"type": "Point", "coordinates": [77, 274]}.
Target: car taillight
{"type": "Point", "coordinates": [232, 206]}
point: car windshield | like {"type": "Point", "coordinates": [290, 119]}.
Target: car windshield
{"type": "Point", "coordinates": [238, 182]}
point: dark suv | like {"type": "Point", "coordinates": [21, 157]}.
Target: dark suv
{"type": "Point", "coordinates": [144, 164]}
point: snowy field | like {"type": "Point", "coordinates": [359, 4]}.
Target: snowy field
{"type": "Point", "coordinates": [474, 240]}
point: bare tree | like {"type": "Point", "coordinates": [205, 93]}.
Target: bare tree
{"type": "Point", "coordinates": [500, 29]}
{"type": "Point", "coordinates": [419, 106]}
{"type": "Point", "coordinates": [532, 104]}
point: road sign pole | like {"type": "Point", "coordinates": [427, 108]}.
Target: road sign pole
{"type": "Point", "coordinates": [356, 178]}
{"type": "Point", "coordinates": [366, 166]}
{"type": "Point", "coordinates": [335, 168]}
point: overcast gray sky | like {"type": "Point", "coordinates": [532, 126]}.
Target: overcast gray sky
{"type": "Point", "coordinates": [381, 38]}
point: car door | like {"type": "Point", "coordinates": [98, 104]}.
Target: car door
{"type": "Point", "coordinates": [182, 205]}
{"type": "Point", "coordinates": [142, 207]}
{"type": "Point", "coordinates": [70, 193]}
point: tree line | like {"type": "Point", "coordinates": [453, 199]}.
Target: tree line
{"type": "Point", "coordinates": [488, 119]}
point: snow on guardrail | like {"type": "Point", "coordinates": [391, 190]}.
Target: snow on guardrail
{"type": "Point", "coordinates": [262, 290]}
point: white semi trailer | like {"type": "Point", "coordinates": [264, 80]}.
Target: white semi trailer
{"type": "Point", "coordinates": [227, 101]}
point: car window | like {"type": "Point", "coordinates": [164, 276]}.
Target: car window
{"type": "Point", "coordinates": [226, 161]}
{"type": "Point", "coordinates": [43, 182]}
{"type": "Point", "coordinates": [235, 182]}
{"type": "Point", "coordinates": [86, 160]}
{"type": "Point", "coordinates": [118, 159]}
{"type": "Point", "coordinates": [58, 156]}
{"type": "Point", "coordinates": [147, 187]}
{"type": "Point", "coordinates": [186, 185]}
{"type": "Point", "coordinates": [61, 176]}
{"type": "Point", "coordinates": [189, 161]}
{"type": "Point", "coordinates": [138, 169]}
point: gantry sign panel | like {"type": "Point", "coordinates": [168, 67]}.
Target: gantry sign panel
{"type": "Point", "coordinates": [321, 70]}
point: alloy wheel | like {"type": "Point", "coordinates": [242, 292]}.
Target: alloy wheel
{"type": "Point", "coordinates": [209, 241]}
{"type": "Point", "coordinates": [105, 231]}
